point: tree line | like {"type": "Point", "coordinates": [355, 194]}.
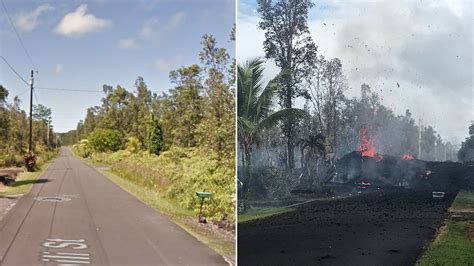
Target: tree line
{"type": "Point", "coordinates": [197, 112]}
{"type": "Point", "coordinates": [14, 130]}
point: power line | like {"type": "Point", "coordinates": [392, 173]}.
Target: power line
{"type": "Point", "coordinates": [18, 35]}
{"type": "Point", "coordinates": [5, 60]}
{"type": "Point", "coordinates": [23, 92]}
{"type": "Point", "coordinates": [72, 90]}
{"type": "Point", "coordinates": [36, 97]}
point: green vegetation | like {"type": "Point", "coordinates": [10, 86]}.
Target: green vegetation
{"type": "Point", "coordinates": [177, 174]}
{"type": "Point", "coordinates": [254, 111]}
{"type": "Point", "coordinates": [14, 131]}
{"type": "Point", "coordinates": [176, 143]}
{"type": "Point", "coordinates": [464, 201]}
{"type": "Point", "coordinates": [102, 140]}
{"type": "Point", "coordinates": [466, 153]}
{"type": "Point", "coordinates": [182, 216]}
{"type": "Point", "coordinates": [259, 213]}
{"type": "Point", "coordinates": [24, 181]}
{"type": "Point", "coordinates": [454, 244]}
{"type": "Point", "coordinates": [154, 139]}
{"type": "Point", "coordinates": [453, 248]}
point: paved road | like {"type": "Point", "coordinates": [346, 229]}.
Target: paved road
{"type": "Point", "coordinates": [96, 223]}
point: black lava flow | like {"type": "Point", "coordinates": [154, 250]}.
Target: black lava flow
{"type": "Point", "coordinates": [389, 225]}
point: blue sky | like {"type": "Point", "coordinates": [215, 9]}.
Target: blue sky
{"type": "Point", "coordinates": [425, 46]}
{"type": "Point", "coordinates": [85, 44]}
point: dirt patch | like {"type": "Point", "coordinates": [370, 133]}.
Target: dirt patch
{"type": "Point", "coordinates": [442, 231]}
{"type": "Point", "coordinates": [386, 227]}
{"type": "Point", "coordinates": [223, 230]}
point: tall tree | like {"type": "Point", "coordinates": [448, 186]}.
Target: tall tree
{"type": "Point", "coordinates": [187, 100]}
{"type": "Point", "coordinates": [466, 153]}
{"type": "Point", "coordinates": [218, 124]}
{"type": "Point", "coordinates": [254, 106]}
{"type": "Point", "coordinates": [254, 112]}
{"type": "Point", "coordinates": [326, 93]}
{"type": "Point", "coordinates": [154, 141]}
{"type": "Point", "coordinates": [289, 44]}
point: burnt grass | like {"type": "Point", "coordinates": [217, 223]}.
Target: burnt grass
{"type": "Point", "coordinates": [389, 226]}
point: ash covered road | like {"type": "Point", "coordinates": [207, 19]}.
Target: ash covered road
{"type": "Point", "coordinates": [77, 216]}
{"type": "Point", "coordinates": [385, 227]}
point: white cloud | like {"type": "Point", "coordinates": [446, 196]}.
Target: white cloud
{"type": "Point", "coordinates": [167, 64]}
{"type": "Point", "coordinates": [153, 28]}
{"type": "Point", "coordinates": [27, 21]}
{"type": "Point", "coordinates": [149, 5]}
{"type": "Point", "coordinates": [175, 21]}
{"type": "Point", "coordinates": [424, 46]}
{"type": "Point", "coordinates": [128, 43]}
{"type": "Point", "coordinates": [148, 29]}
{"type": "Point", "coordinates": [79, 23]}
{"type": "Point", "coordinates": [58, 69]}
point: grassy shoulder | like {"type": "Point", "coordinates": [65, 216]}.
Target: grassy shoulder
{"type": "Point", "coordinates": [454, 244]}
{"type": "Point", "coordinates": [183, 217]}
{"type": "Point", "coordinates": [464, 201]}
{"type": "Point", "coordinates": [259, 213]}
{"type": "Point", "coordinates": [453, 247]}
{"type": "Point", "coordinates": [24, 182]}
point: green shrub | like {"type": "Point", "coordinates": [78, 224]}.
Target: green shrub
{"type": "Point", "coordinates": [102, 140]}
{"type": "Point", "coordinates": [11, 159]}
{"type": "Point", "coordinates": [200, 170]}
{"type": "Point", "coordinates": [179, 173]}
{"type": "Point", "coordinates": [132, 145]}
{"type": "Point", "coordinates": [82, 148]}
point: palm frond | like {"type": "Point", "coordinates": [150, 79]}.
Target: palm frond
{"type": "Point", "coordinates": [277, 117]}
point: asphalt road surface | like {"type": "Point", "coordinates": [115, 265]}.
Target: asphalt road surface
{"type": "Point", "coordinates": [76, 216]}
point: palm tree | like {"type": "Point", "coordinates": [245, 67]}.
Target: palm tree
{"type": "Point", "coordinates": [254, 103]}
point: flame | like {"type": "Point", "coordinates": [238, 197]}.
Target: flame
{"type": "Point", "coordinates": [408, 156]}
{"type": "Point", "coordinates": [366, 147]}
{"type": "Point", "coordinates": [378, 157]}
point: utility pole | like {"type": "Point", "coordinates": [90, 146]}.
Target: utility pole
{"type": "Point", "coordinates": [31, 113]}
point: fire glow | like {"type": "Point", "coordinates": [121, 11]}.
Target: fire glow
{"type": "Point", "coordinates": [367, 148]}
{"type": "Point", "coordinates": [408, 156]}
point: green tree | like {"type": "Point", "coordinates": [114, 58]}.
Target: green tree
{"type": "Point", "coordinates": [466, 153]}
{"type": "Point", "coordinates": [217, 129]}
{"type": "Point", "coordinates": [254, 106]}
{"type": "Point", "coordinates": [289, 44]}
{"type": "Point", "coordinates": [154, 136]}
{"type": "Point", "coordinates": [4, 117]}
{"type": "Point", "coordinates": [3, 96]}
{"type": "Point", "coordinates": [254, 112]}
{"type": "Point", "coordinates": [138, 110]}
{"type": "Point", "coordinates": [102, 140]}
{"type": "Point", "coordinates": [187, 101]}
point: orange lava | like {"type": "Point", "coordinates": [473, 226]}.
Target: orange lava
{"type": "Point", "coordinates": [366, 147]}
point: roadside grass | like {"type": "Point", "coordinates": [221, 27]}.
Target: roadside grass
{"type": "Point", "coordinates": [464, 201]}
{"type": "Point", "coordinates": [24, 181]}
{"type": "Point", "coordinates": [259, 213]}
{"type": "Point", "coordinates": [183, 217]}
{"type": "Point", "coordinates": [454, 244]}
{"type": "Point", "coordinates": [453, 248]}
